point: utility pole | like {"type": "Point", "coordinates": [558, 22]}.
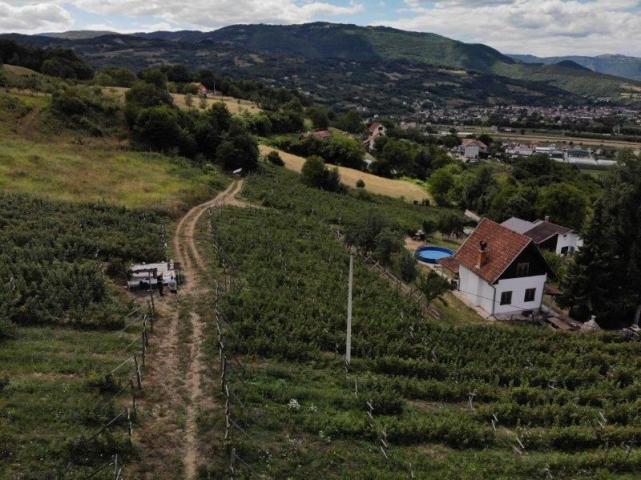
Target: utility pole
{"type": "Point", "coordinates": [348, 345]}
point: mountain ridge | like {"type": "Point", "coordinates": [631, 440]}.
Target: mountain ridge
{"type": "Point", "coordinates": [623, 66]}
{"type": "Point", "coordinates": [419, 68]}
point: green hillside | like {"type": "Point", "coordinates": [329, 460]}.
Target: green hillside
{"type": "Point", "coordinates": [324, 40]}
{"type": "Point", "coordinates": [346, 65]}
{"type": "Point", "coordinates": [617, 65]}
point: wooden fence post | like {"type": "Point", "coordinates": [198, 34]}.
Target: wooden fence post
{"type": "Point", "coordinates": [137, 367]}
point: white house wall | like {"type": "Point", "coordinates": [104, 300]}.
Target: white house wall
{"type": "Point", "coordinates": [477, 291]}
{"type": "Point", "coordinates": [472, 151]}
{"type": "Point", "coordinates": [518, 286]}
{"type": "Point", "coordinates": [570, 240]}
{"type": "Point", "coordinates": [480, 293]}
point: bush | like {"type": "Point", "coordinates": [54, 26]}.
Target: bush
{"type": "Point", "coordinates": [360, 183]}
{"type": "Point", "coordinates": [273, 157]}
{"type": "Point", "coordinates": [316, 174]}
{"type": "Point", "coordinates": [407, 266]}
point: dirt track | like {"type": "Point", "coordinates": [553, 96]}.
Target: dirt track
{"type": "Point", "coordinates": [169, 434]}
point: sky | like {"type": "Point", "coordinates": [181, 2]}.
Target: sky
{"type": "Point", "coordinates": [538, 27]}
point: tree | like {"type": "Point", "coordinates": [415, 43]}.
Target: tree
{"type": "Point", "coordinates": [350, 121]}
{"type": "Point", "coordinates": [158, 128]}
{"type": "Point", "coordinates": [3, 77]}
{"type": "Point", "coordinates": [605, 276]}
{"type": "Point", "coordinates": [316, 174]}
{"type": "Point", "coordinates": [564, 203]}
{"type": "Point", "coordinates": [115, 77]}
{"type": "Point", "coordinates": [237, 150]}
{"type": "Point", "coordinates": [273, 157]}
{"type": "Point", "coordinates": [451, 224]}
{"type": "Point", "coordinates": [486, 139]}
{"type": "Point", "coordinates": [154, 76]}
{"type": "Point", "coordinates": [387, 243]}
{"type": "Point", "coordinates": [477, 189]}
{"type": "Point", "coordinates": [429, 227]}
{"type": "Point", "coordinates": [433, 286]}
{"type": "Point", "coordinates": [319, 117]}
{"type": "Point", "coordinates": [313, 172]}
{"type": "Point", "coordinates": [364, 233]}
{"type": "Point", "coordinates": [407, 266]}
{"type": "Point", "coordinates": [440, 183]}
{"type": "Point", "coordinates": [144, 95]}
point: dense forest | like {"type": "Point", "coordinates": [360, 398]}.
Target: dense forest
{"type": "Point", "coordinates": [56, 62]}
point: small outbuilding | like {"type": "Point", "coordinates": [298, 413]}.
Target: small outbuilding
{"type": "Point", "coordinates": [547, 235]}
{"type": "Point", "coordinates": [149, 275]}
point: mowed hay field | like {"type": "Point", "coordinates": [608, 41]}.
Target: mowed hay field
{"type": "Point", "coordinates": [77, 173]}
{"type": "Point", "coordinates": [349, 176]}
{"type": "Point", "coordinates": [234, 105]}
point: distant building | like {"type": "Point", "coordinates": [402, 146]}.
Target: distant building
{"type": "Point", "coordinates": [575, 155]}
{"type": "Point", "coordinates": [472, 149]}
{"type": "Point", "coordinates": [501, 271]}
{"type": "Point", "coordinates": [201, 90]}
{"type": "Point", "coordinates": [547, 235]}
{"type": "Point", "coordinates": [375, 130]}
{"type": "Point", "coordinates": [322, 135]}
{"type": "Point", "coordinates": [519, 150]}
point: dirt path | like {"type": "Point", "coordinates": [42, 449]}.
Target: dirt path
{"type": "Point", "coordinates": [175, 376]}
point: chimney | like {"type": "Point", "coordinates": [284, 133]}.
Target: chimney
{"type": "Point", "coordinates": [547, 218]}
{"type": "Point", "coordinates": [482, 259]}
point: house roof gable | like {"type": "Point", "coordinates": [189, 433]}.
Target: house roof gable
{"type": "Point", "coordinates": [503, 247]}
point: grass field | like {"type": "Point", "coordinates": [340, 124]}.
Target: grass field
{"type": "Point", "coordinates": [18, 70]}
{"type": "Point", "coordinates": [349, 176]}
{"type": "Point", "coordinates": [77, 173]}
{"type": "Point", "coordinates": [234, 105]}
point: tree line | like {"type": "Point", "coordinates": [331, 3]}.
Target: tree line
{"type": "Point", "coordinates": [55, 62]}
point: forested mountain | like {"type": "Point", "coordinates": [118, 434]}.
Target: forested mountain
{"type": "Point", "coordinates": [347, 65]}
{"type": "Point", "coordinates": [618, 65]}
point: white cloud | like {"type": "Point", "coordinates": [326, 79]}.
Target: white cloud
{"type": "Point", "coordinates": [546, 27]}
{"type": "Point", "coordinates": [33, 17]}
{"type": "Point", "coordinates": [207, 14]}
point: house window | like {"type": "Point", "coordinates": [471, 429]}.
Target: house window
{"type": "Point", "coordinates": [564, 250]}
{"type": "Point", "coordinates": [522, 269]}
{"type": "Point", "coordinates": [506, 298]}
{"type": "Point", "coordinates": [530, 293]}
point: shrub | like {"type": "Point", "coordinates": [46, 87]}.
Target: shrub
{"type": "Point", "coordinates": [407, 266]}
{"type": "Point", "coordinates": [273, 157]}
{"type": "Point", "coordinates": [316, 174]}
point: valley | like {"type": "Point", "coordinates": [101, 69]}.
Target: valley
{"type": "Point", "coordinates": [315, 251]}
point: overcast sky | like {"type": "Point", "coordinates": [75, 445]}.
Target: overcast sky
{"type": "Point", "coordinates": [540, 27]}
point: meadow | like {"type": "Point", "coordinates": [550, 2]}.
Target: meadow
{"type": "Point", "coordinates": [423, 397]}
{"type": "Point", "coordinates": [234, 105]}
{"type": "Point", "coordinates": [349, 176]}
{"type": "Point", "coordinates": [120, 177]}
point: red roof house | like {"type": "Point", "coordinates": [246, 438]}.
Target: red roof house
{"type": "Point", "coordinates": [499, 270]}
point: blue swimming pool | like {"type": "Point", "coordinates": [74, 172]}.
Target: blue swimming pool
{"type": "Point", "coordinates": [432, 254]}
